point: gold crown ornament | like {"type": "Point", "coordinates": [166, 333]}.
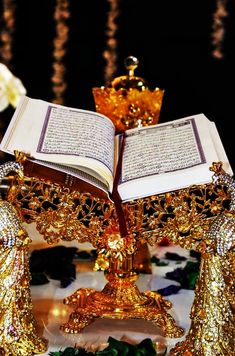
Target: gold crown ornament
{"type": "Point", "coordinates": [128, 101]}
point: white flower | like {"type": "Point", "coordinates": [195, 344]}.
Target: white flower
{"type": "Point", "coordinates": [11, 88]}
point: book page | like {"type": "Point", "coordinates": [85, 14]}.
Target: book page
{"type": "Point", "coordinates": [80, 174]}
{"type": "Point", "coordinates": [66, 133]}
{"type": "Point", "coordinates": [161, 149]}
{"type": "Point", "coordinates": [63, 135]}
{"type": "Point", "coordinates": [170, 156]}
{"type": "Point", "coordinates": [222, 157]}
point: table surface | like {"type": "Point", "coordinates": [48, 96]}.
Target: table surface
{"type": "Point", "coordinates": [50, 312]}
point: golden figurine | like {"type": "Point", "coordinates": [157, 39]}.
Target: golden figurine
{"type": "Point", "coordinates": [17, 326]}
{"type": "Point", "coordinates": [212, 330]}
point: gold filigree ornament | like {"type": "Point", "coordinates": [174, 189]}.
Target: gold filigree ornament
{"type": "Point", "coordinates": [17, 325]}
{"type": "Point", "coordinates": [184, 216]}
{"type": "Point", "coordinates": [212, 330]}
{"type": "Point", "coordinates": [115, 246]}
{"type": "Point", "coordinates": [128, 101]}
{"type": "Point", "coordinates": [120, 298]}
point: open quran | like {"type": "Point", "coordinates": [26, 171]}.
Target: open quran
{"type": "Point", "coordinates": [79, 148]}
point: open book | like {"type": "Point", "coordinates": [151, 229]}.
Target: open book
{"type": "Point", "coordinates": [69, 145]}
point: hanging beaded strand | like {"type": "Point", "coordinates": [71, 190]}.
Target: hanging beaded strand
{"type": "Point", "coordinates": [7, 31]}
{"type": "Point", "coordinates": [110, 52]}
{"type": "Point", "coordinates": [218, 28]}
{"type": "Point", "coordinates": [61, 16]}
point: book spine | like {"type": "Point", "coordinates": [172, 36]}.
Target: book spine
{"type": "Point", "coordinates": [115, 194]}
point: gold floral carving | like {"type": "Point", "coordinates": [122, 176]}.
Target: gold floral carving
{"type": "Point", "coordinates": [192, 218]}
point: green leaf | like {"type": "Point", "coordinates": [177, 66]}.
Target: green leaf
{"type": "Point", "coordinates": [115, 348]}
{"type": "Point", "coordinates": [69, 351]}
{"type": "Point", "coordinates": [158, 262]}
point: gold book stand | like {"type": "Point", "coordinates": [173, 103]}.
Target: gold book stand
{"type": "Point", "coordinates": [185, 217]}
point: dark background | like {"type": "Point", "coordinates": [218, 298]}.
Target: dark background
{"type": "Point", "coordinates": [171, 39]}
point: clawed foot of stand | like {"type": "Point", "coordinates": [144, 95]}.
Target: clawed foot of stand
{"type": "Point", "coordinates": [130, 304]}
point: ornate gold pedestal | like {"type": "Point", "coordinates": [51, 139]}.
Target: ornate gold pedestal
{"type": "Point", "coordinates": [61, 214]}
{"type": "Point", "coordinates": [120, 299]}
{"type": "Point", "coordinates": [200, 217]}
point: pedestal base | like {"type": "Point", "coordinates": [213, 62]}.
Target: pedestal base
{"type": "Point", "coordinates": [120, 299]}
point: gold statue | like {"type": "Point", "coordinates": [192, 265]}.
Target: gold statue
{"type": "Point", "coordinates": [212, 330]}
{"type": "Point", "coordinates": [17, 325]}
